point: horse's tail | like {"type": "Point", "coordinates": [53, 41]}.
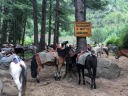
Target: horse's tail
{"type": "Point", "coordinates": [33, 67]}
{"type": "Point", "coordinates": [106, 51]}
{"type": "Point", "coordinates": [24, 78]}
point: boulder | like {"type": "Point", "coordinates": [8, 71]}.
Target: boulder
{"type": "Point", "coordinates": [107, 69]}
{"type": "Point", "coordinates": [4, 73]}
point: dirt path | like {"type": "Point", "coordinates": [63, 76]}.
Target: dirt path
{"type": "Point", "coordinates": [49, 87]}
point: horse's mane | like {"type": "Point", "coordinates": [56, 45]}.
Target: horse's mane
{"type": "Point", "coordinates": [62, 52]}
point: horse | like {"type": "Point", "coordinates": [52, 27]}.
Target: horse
{"type": "Point", "coordinates": [18, 71]}
{"type": "Point", "coordinates": [19, 49]}
{"type": "Point", "coordinates": [112, 48]}
{"type": "Point", "coordinates": [56, 58]}
{"type": "Point", "coordinates": [32, 48]}
{"type": "Point", "coordinates": [99, 50]}
{"type": "Point", "coordinates": [70, 60]}
{"type": "Point", "coordinates": [87, 61]}
{"type": "Point", "coordinates": [121, 52]}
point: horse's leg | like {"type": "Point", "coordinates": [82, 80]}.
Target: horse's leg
{"type": "Point", "coordinates": [79, 75]}
{"type": "Point", "coordinates": [56, 65]}
{"type": "Point", "coordinates": [16, 76]}
{"type": "Point", "coordinates": [90, 75]}
{"type": "Point", "coordinates": [82, 69]}
{"type": "Point", "coordinates": [18, 84]}
{"type": "Point", "coordinates": [56, 74]}
{"type": "Point", "coordinates": [38, 61]}
{"type": "Point", "coordinates": [94, 76]}
{"type": "Point", "coordinates": [60, 62]}
{"type": "Point", "coordinates": [97, 54]}
{"type": "Point", "coordinates": [106, 51]}
{"type": "Point", "coordinates": [59, 70]}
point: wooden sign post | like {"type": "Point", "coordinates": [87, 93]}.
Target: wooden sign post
{"type": "Point", "coordinates": [82, 29]}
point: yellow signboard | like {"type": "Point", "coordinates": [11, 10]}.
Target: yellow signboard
{"type": "Point", "coordinates": [82, 29]}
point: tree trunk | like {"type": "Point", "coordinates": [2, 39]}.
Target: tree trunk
{"type": "Point", "coordinates": [84, 10]}
{"type": "Point", "coordinates": [56, 31]}
{"type": "Point", "coordinates": [43, 29]}
{"type": "Point", "coordinates": [14, 31]}
{"type": "Point", "coordinates": [34, 3]}
{"type": "Point", "coordinates": [50, 18]}
{"type": "Point", "coordinates": [80, 16]}
{"type": "Point", "coordinates": [4, 32]}
{"type": "Point", "coordinates": [1, 16]}
{"type": "Point", "coordinates": [23, 37]}
{"type": "Point", "coordinates": [4, 26]}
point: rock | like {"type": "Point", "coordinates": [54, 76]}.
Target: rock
{"type": "Point", "coordinates": [107, 69]}
{"type": "Point", "coordinates": [4, 73]}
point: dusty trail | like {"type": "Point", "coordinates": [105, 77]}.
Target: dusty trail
{"type": "Point", "coordinates": [49, 87]}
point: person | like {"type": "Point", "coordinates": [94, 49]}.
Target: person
{"type": "Point", "coordinates": [89, 47]}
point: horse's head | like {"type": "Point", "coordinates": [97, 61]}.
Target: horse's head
{"type": "Point", "coordinates": [70, 51]}
{"type": "Point", "coordinates": [117, 53]}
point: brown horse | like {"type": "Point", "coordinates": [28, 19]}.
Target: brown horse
{"type": "Point", "coordinates": [49, 58]}
{"type": "Point", "coordinates": [122, 52]}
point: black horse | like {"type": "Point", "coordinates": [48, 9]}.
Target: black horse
{"type": "Point", "coordinates": [90, 63]}
{"type": "Point", "coordinates": [19, 51]}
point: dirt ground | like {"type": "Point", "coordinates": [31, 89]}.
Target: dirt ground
{"type": "Point", "coordinates": [49, 87]}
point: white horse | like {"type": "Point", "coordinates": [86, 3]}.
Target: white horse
{"type": "Point", "coordinates": [100, 49]}
{"type": "Point", "coordinates": [18, 70]}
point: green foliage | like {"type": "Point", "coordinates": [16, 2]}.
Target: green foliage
{"type": "Point", "coordinates": [107, 25]}
{"type": "Point", "coordinates": [113, 39]}
{"type": "Point", "coordinates": [96, 4]}
{"type": "Point", "coordinates": [124, 37]}
{"type": "Point", "coordinates": [121, 40]}
{"type": "Point", "coordinates": [111, 22]}
{"type": "Point", "coordinates": [125, 41]}
{"type": "Point", "coordinates": [28, 40]}
{"type": "Point", "coordinates": [98, 35]}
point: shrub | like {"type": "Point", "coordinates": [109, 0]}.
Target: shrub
{"type": "Point", "coordinates": [113, 40]}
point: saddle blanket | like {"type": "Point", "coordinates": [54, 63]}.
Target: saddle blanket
{"type": "Point", "coordinates": [6, 60]}
{"type": "Point", "coordinates": [47, 56]}
{"type": "Point", "coordinates": [81, 59]}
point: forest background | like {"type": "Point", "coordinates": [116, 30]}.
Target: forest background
{"type": "Point", "coordinates": [109, 23]}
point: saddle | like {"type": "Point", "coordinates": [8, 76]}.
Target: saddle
{"type": "Point", "coordinates": [5, 61]}
{"type": "Point", "coordinates": [81, 59]}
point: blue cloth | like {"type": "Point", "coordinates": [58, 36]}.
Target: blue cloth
{"type": "Point", "coordinates": [8, 59]}
{"type": "Point", "coordinates": [16, 60]}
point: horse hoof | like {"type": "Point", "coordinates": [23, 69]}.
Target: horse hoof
{"type": "Point", "coordinates": [55, 78]}
{"type": "Point", "coordinates": [83, 83]}
{"type": "Point", "coordinates": [59, 78]}
{"type": "Point", "coordinates": [79, 82]}
{"type": "Point", "coordinates": [37, 80]}
{"type": "Point", "coordinates": [94, 87]}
